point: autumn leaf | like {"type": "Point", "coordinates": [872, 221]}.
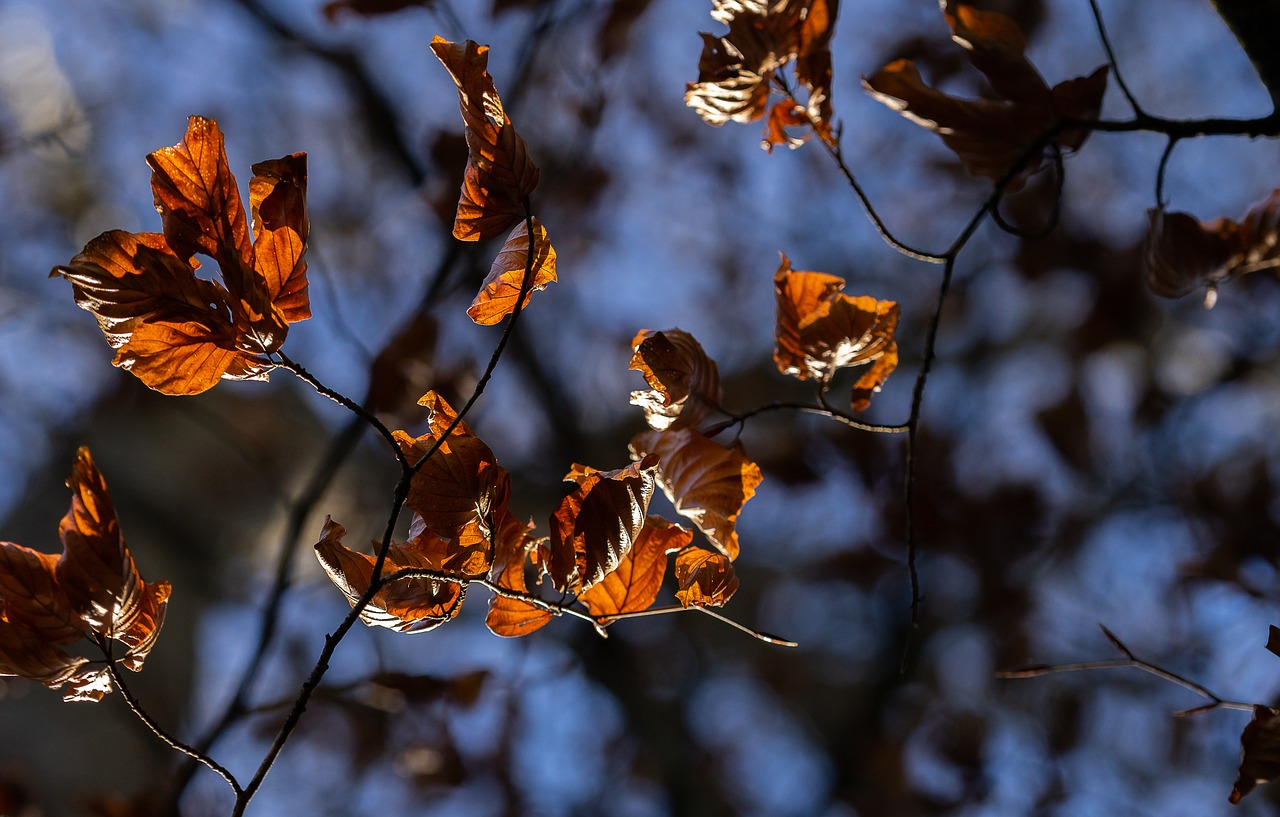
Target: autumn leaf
{"type": "Point", "coordinates": [820, 329]}
{"type": "Point", "coordinates": [1260, 752]}
{"type": "Point", "coordinates": [175, 331]}
{"type": "Point", "coordinates": [991, 136]}
{"type": "Point", "coordinates": [92, 591]}
{"type": "Point", "coordinates": [500, 174]}
{"type": "Point", "coordinates": [705, 578]}
{"type": "Point", "coordinates": [684, 382]}
{"type": "Point", "coordinates": [407, 605]}
{"type": "Point", "coordinates": [594, 527]}
{"type": "Point", "coordinates": [736, 71]}
{"type": "Point", "coordinates": [1182, 254]}
{"type": "Point", "coordinates": [512, 617]}
{"type": "Point", "coordinates": [497, 297]}
{"type": "Point", "coordinates": [707, 483]}
{"type": "Point", "coordinates": [461, 484]}
{"type": "Point", "coordinates": [633, 585]}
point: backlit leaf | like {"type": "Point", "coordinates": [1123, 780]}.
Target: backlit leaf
{"type": "Point", "coordinates": [510, 617]}
{"type": "Point", "coordinates": [634, 583]}
{"type": "Point", "coordinates": [497, 297]}
{"type": "Point", "coordinates": [991, 136]}
{"type": "Point", "coordinates": [820, 330]}
{"type": "Point", "coordinates": [595, 526]}
{"type": "Point", "coordinates": [707, 483]}
{"type": "Point", "coordinates": [705, 578]}
{"type": "Point", "coordinates": [1259, 752]}
{"type": "Point", "coordinates": [684, 382]}
{"type": "Point", "coordinates": [1182, 254]}
{"type": "Point", "coordinates": [500, 174]}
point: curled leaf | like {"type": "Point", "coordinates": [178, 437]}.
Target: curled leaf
{"type": "Point", "coordinates": [684, 382]}
{"type": "Point", "coordinates": [1259, 752]}
{"type": "Point", "coordinates": [1182, 254]}
{"type": "Point", "coordinates": [513, 617]}
{"type": "Point", "coordinates": [500, 174]}
{"type": "Point", "coordinates": [991, 136]}
{"type": "Point", "coordinates": [634, 583]}
{"type": "Point", "coordinates": [595, 526]}
{"type": "Point", "coordinates": [707, 483]}
{"type": "Point", "coordinates": [820, 329]}
{"type": "Point", "coordinates": [497, 297]}
{"type": "Point", "coordinates": [705, 578]}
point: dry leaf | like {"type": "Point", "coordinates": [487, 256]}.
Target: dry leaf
{"type": "Point", "coordinates": [1182, 254]}
{"type": "Point", "coordinates": [705, 578]}
{"type": "Point", "coordinates": [684, 382]}
{"type": "Point", "coordinates": [1259, 752]}
{"type": "Point", "coordinates": [707, 483]}
{"type": "Point", "coordinates": [509, 617]}
{"type": "Point", "coordinates": [497, 297]}
{"type": "Point", "coordinates": [634, 584]}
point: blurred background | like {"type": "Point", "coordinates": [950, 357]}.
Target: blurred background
{"type": "Point", "coordinates": [1089, 453]}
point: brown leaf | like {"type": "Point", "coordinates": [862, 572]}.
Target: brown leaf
{"type": "Point", "coordinates": [497, 297]}
{"type": "Point", "coordinates": [1182, 254]}
{"type": "Point", "coordinates": [991, 136]}
{"type": "Point", "coordinates": [736, 71]}
{"type": "Point", "coordinates": [1259, 752]}
{"type": "Point", "coordinates": [407, 605]}
{"type": "Point", "coordinates": [461, 485]}
{"type": "Point", "coordinates": [509, 617]}
{"type": "Point", "coordinates": [634, 584]}
{"type": "Point", "coordinates": [707, 483]}
{"type": "Point", "coordinates": [684, 382]}
{"type": "Point", "coordinates": [1273, 640]}
{"type": "Point", "coordinates": [820, 330]}
{"type": "Point", "coordinates": [705, 578]}
{"type": "Point", "coordinates": [595, 526]}
{"type": "Point", "coordinates": [500, 174]}
{"type": "Point", "coordinates": [93, 590]}
{"type": "Point", "coordinates": [177, 332]}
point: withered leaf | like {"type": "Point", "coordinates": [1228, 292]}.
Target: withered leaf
{"type": "Point", "coordinates": [820, 329]}
{"type": "Point", "coordinates": [1182, 254]}
{"type": "Point", "coordinates": [990, 136]}
{"type": "Point", "coordinates": [634, 583]}
{"type": "Point", "coordinates": [500, 174]}
{"type": "Point", "coordinates": [707, 483]}
{"type": "Point", "coordinates": [705, 578]}
{"type": "Point", "coordinates": [596, 525]}
{"type": "Point", "coordinates": [407, 605]}
{"type": "Point", "coordinates": [684, 382]}
{"type": "Point", "coordinates": [511, 617]}
{"type": "Point", "coordinates": [181, 334]}
{"type": "Point", "coordinates": [736, 71]}
{"type": "Point", "coordinates": [461, 484]}
{"type": "Point", "coordinates": [497, 297]}
{"type": "Point", "coordinates": [1259, 752]}
{"type": "Point", "coordinates": [93, 590]}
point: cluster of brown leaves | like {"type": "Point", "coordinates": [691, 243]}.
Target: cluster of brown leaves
{"type": "Point", "coordinates": [175, 331]}
{"type": "Point", "coordinates": [993, 136]}
{"type": "Point", "coordinates": [92, 591]}
{"type": "Point", "coordinates": [738, 71]}
{"type": "Point", "coordinates": [1182, 254]}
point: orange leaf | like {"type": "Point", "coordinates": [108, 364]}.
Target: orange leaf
{"type": "Point", "coordinates": [1259, 752]}
{"type": "Point", "coordinates": [820, 330]}
{"type": "Point", "coordinates": [407, 605]}
{"type": "Point", "coordinates": [992, 136]}
{"type": "Point", "coordinates": [705, 578]}
{"type": "Point", "coordinates": [93, 590]}
{"type": "Point", "coordinates": [595, 526]}
{"type": "Point", "coordinates": [181, 334]}
{"type": "Point", "coordinates": [707, 483]}
{"type": "Point", "coordinates": [634, 584]}
{"type": "Point", "coordinates": [685, 383]}
{"type": "Point", "coordinates": [500, 175]}
{"type": "Point", "coordinates": [461, 484]}
{"type": "Point", "coordinates": [1182, 254]}
{"type": "Point", "coordinates": [497, 297]}
{"type": "Point", "coordinates": [510, 617]}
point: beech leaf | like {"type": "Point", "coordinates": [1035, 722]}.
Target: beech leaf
{"type": "Point", "coordinates": [820, 329]}
{"type": "Point", "coordinates": [500, 174]}
{"type": "Point", "coordinates": [1259, 752]}
{"type": "Point", "coordinates": [684, 382]}
{"type": "Point", "coordinates": [705, 578]}
{"type": "Point", "coordinates": [179, 333]}
{"type": "Point", "coordinates": [93, 590]}
{"type": "Point", "coordinates": [1182, 254]}
{"type": "Point", "coordinates": [707, 483]}
{"type": "Point", "coordinates": [510, 617]}
{"type": "Point", "coordinates": [633, 585]}
{"type": "Point", "coordinates": [594, 527]}
{"type": "Point", "coordinates": [497, 297]}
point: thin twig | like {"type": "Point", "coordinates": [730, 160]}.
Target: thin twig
{"type": "Point", "coordinates": [173, 743]}
{"type": "Point", "coordinates": [1055, 214]}
{"type": "Point", "coordinates": [825, 411]}
{"type": "Point", "coordinates": [1111, 59]}
{"type": "Point", "coordinates": [1132, 661]}
{"type": "Point", "coordinates": [1160, 170]}
{"type": "Point", "coordinates": [344, 401]}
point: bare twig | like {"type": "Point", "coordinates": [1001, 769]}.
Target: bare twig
{"type": "Point", "coordinates": [344, 401]}
{"type": "Point", "coordinates": [1160, 170]}
{"type": "Point", "coordinates": [1111, 59]}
